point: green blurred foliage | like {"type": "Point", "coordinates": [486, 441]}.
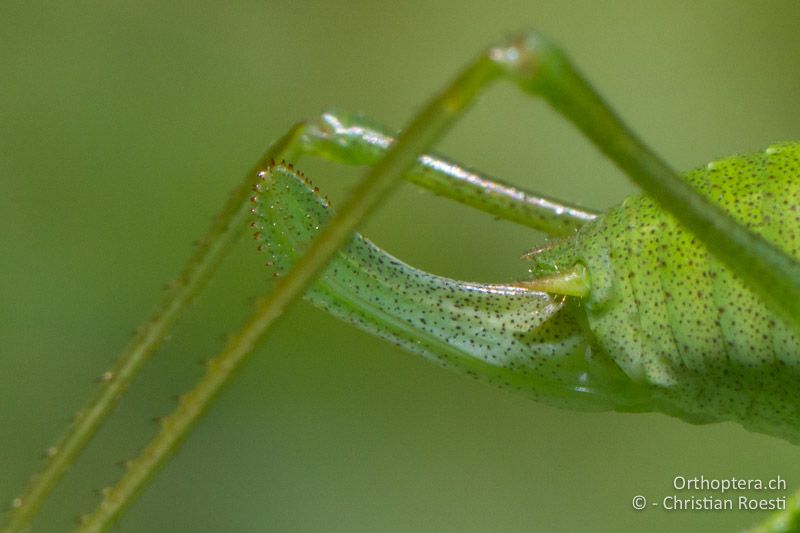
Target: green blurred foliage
{"type": "Point", "coordinates": [122, 127]}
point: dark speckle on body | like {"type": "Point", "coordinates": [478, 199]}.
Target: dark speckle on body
{"type": "Point", "coordinates": [676, 318]}
{"type": "Point", "coordinates": [665, 325]}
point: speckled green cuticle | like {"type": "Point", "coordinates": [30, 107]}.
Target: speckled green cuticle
{"type": "Point", "coordinates": [530, 341]}
{"type": "Point", "coordinates": [664, 326]}
{"type": "Point", "coordinates": [672, 316]}
{"type": "Point", "coordinates": [699, 324]}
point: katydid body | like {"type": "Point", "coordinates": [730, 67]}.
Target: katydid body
{"type": "Point", "coordinates": [674, 317]}
{"type": "Point", "coordinates": [639, 313]}
{"type": "Point", "coordinates": [661, 325]}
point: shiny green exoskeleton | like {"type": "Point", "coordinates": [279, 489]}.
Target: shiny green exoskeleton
{"type": "Point", "coordinates": [672, 316]}
{"type": "Point", "coordinates": [685, 300]}
{"type": "Point", "coordinates": [661, 325]}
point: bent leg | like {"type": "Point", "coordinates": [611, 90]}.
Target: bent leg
{"type": "Point", "coordinates": [351, 139]}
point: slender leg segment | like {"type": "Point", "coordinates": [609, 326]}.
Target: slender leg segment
{"type": "Point", "coordinates": [351, 139]}
{"type": "Point", "coordinates": [540, 69]}
{"type": "Point", "coordinates": [226, 227]}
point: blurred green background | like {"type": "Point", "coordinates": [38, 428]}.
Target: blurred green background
{"type": "Point", "coordinates": [123, 126]}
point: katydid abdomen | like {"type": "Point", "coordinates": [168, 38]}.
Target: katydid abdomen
{"type": "Point", "coordinates": [661, 324]}
{"type": "Point", "coordinates": [673, 317]}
